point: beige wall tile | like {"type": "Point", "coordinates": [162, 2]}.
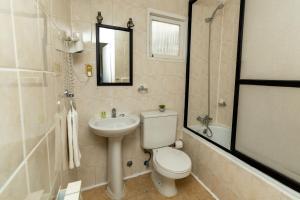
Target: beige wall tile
{"type": "Point", "coordinates": [11, 144]}
{"type": "Point", "coordinates": [61, 13]}
{"type": "Point", "coordinates": [34, 36]}
{"type": "Point", "coordinates": [226, 178]}
{"type": "Point", "coordinates": [50, 96]}
{"type": "Point", "coordinates": [53, 146]}
{"type": "Point", "coordinates": [17, 188]}
{"type": "Point", "coordinates": [7, 54]}
{"type": "Point", "coordinates": [87, 175]}
{"type": "Point", "coordinates": [31, 39]}
{"type": "Point", "coordinates": [38, 170]}
{"type": "Point", "coordinates": [164, 79]}
{"type": "Point", "coordinates": [32, 88]}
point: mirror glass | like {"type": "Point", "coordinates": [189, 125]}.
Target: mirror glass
{"type": "Point", "coordinates": [114, 60]}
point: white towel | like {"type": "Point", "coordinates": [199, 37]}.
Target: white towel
{"type": "Point", "coordinates": [70, 139]}
{"type": "Point", "coordinates": [77, 154]}
{"type": "Point", "coordinates": [61, 149]}
{"type": "Point", "coordinates": [64, 139]}
{"type": "Point", "coordinates": [74, 152]}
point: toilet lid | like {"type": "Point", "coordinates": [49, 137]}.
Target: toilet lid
{"type": "Point", "coordinates": [172, 160]}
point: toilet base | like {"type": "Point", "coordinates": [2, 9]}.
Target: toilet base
{"type": "Point", "coordinates": [164, 185]}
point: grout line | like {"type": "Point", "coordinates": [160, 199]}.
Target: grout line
{"type": "Point", "coordinates": [137, 174]}
{"type": "Point", "coordinates": [48, 159]}
{"type": "Point", "coordinates": [20, 105]}
{"type": "Point", "coordinates": [43, 138]}
{"type": "Point", "coordinates": [24, 162]}
{"type": "Point", "coordinates": [205, 187]}
{"type": "Point", "coordinates": [9, 69]}
{"type": "Point", "coordinates": [125, 178]}
{"type": "Point", "coordinates": [93, 186]}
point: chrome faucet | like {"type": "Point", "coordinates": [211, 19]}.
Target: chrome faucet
{"type": "Point", "coordinates": [113, 113]}
{"type": "Point", "coordinates": [206, 121]}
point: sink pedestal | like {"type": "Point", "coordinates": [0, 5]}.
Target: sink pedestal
{"type": "Point", "coordinates": [114, 129]}
{"type": "Point", "coordinates": [115, 186]}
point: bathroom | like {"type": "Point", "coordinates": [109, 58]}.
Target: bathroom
{"type": "Point", "coordinates": [171, 122]}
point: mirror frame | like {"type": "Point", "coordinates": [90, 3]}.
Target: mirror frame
{"type": "Point", "coordinates": [98, 51]}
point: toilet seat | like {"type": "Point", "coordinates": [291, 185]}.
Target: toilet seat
{"type": "Point", "coordinates": [171, 162]}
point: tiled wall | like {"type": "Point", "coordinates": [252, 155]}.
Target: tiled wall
{"type": "Point", "coordinates": [228, 177]}
{"type": "Point", "coordinates": [164, 79]}
{"type": "Point", "coordinates": [223, 57]}
{"type": "Point", "coordinates": [30, 81]}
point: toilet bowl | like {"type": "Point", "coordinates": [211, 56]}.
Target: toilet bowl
{"type": "Point", "coordinates": [158, 133]}
{"type": "Point", "coordinates": [169, 164]}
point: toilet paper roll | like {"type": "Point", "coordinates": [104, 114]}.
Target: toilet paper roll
{"type": "Point", "coordinates": [178, 144]}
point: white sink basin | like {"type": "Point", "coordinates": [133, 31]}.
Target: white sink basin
{"type": "Point", "coordinates": [114, 127]}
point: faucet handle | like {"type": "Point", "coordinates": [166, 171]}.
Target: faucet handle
{"type": "Point", "coordinates": [114, 113]}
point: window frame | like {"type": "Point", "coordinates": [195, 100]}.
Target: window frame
{"type": "Point", "coordinates": [165, 17]}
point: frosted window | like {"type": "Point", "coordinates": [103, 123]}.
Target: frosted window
{"type": "Point", "coordinates": [166, 35]}
{"type": "Point", "coordinates": [271, 40]}
{"type": "Point", "coordinates": [165, 39]}
{"type": "Point", "coordinates": [268, 128]}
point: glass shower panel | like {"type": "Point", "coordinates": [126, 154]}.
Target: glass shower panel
{"type": "Point", "coordinates": [211, 71]}
{"type": "Point", "coordinates": [271, 40]}
{"type": "Point", "coordinates": [268, 127]}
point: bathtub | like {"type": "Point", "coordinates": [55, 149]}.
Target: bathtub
{"type": "Point", "coordinates": [221, 134]}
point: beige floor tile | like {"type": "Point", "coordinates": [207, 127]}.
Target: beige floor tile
{"type": "Point", "coordinates": [142, 188]}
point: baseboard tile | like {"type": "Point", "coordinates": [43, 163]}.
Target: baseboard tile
{"type": "Point", "coordinates": [138, 174]}
{"type": "Point", "coordinates": [147, 172]}
{"type": "Point", "coordinates": [126, 178]}
{"type": "Point", "coordinates": [205, 187]}
{"type": "Point", "coordinates": [93, 186]}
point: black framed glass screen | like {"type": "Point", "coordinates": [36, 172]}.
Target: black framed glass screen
{"type": "Point", "coordinates": [210, 75]}
{"type": "Point", "coordinates": [114, 55]}
{"type": "Point", "coordinates": [267, 92]}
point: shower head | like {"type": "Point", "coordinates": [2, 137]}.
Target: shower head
{"type": "Point", "coordinates": [210, 19]}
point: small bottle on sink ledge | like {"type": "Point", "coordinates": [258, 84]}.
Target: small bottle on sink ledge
{"type": "Point", "coordinates": [162, 108]}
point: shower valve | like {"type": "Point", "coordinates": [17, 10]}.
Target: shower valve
{"type": "Point", "coordinates": [205, 120]}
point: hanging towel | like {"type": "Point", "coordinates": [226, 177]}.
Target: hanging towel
{"type": "Point", "coordinates": [70, 139]}
{"type": "Point", "coordinates": [64, 139]}
{"type": "Point", "coordinates": [57, 160]}
{"type": "Point", "coordinates": [61, 150]}
{"type": "Point", "coordinates": [73, 147]}
{"type": "Point", "coordinates": [76, 153]}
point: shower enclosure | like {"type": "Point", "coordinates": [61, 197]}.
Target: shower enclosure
{"type": "Point", "coordinates": [210, 86]}
{"type": "Point", "coordinates": [243, 80]}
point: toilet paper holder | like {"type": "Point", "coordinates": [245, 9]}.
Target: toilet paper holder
{"type": "Point", "coordinates": [178, 144]}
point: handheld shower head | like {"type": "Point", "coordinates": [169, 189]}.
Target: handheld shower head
{"type": "Point", "coordinates": [210, 19]}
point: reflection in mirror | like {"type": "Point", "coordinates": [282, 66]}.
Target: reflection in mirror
{"type": "Point", "coordinates": [212, 71]}
{"type": "Point", "coordinates": [114, 55]}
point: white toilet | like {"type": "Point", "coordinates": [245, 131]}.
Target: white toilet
{"type": "Point", "coordinates": [158, 132]}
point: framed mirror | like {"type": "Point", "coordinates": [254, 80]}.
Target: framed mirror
{"type": "Point", "coordinates": [114, 55]}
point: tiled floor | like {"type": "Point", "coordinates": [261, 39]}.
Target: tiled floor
{"type": "Point", "coordinates": [142, 188]}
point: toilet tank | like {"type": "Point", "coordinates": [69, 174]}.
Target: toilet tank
{"type": "Point", "coordinates": [158, 129]}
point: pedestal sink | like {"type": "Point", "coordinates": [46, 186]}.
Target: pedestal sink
{"type": "Point", "coordinates": [114, 129]}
